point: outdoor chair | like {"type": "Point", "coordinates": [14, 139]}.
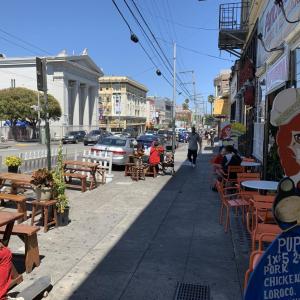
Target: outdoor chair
{"type": "Point", "coordinates": [228, 201]}
{"type": "Point", "coordinates": [230, 177]}
{"type": "Point", "coordinates": [261, 223]}
{"type": "Point", "coordinates": [256, 255]}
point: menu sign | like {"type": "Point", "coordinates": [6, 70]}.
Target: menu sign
{"type": "Point", "coordinates": [277, 275]}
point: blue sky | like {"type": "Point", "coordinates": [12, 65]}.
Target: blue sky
{"type": "Point", "coordinates": [96, 25]}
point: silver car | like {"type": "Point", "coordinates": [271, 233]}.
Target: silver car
{"type": "Point", "coordinates": [120, 146]}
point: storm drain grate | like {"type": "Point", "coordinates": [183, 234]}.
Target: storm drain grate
{"type": "Point", "coordinates": [189, 291]}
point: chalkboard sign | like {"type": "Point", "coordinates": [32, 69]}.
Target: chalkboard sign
{"type": "Point", "coordinates": [277, 275]}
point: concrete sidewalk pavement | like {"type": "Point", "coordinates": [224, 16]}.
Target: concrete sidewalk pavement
{"type": "Point", "coordinates": [137, 240]}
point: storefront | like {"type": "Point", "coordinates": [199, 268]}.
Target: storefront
{"type": "Point", "coordinates": [274, 58]}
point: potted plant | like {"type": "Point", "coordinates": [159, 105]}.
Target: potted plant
{"type": "Point", "coordinates": [59, 189]}
{"type": "Point", "coordinates": [13, 162]}
{"type": "Point", "coordinates": [42, 180]}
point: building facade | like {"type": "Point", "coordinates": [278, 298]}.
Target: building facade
{"type": "Point", "coordinates": [72, 80]}
{"type": "Point", "coordinates": [122, 103]}
{"type": "Point", "coordinates": [221, 104]}
{"type": "Point", "coordinates": [267, 64]}
{"type": "Point", "coordinates": [150, 113]}
{"type": "Point", "coordinates": [163, 111]}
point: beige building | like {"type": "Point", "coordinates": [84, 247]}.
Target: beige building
{"type": "Point", "coordinates": [221, 105]}
{"type": "Point", "coordinates": [122, 102]}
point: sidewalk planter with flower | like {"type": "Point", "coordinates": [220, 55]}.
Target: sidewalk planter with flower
{"type": "Point", "coordinates": [59, 191]}
{"type": "Point", "coordinates": [42, 181]}
{"type": "Point", "coordinates": [13, 162]}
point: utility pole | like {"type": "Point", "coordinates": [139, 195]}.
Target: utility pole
{"type": "Point", "coordinates": [41, 72]}
{"type": "Point", "coordinates": [174, 98]}
{"type": "Point", "coordinates": [39, 117]}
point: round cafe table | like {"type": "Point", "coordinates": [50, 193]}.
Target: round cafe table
{"type": "Point", "coordinates": [261, 185]}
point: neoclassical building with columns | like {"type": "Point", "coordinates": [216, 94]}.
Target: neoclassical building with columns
{"type": "Point", "coordinates": [72, 79]}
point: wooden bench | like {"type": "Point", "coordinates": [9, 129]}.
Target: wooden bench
{"type": "Point", "coordinates": [81, 177]}
{"type": "Point", "coordinates": [20, 201]}
{"type": "Point", "coordinates": [28, 234]}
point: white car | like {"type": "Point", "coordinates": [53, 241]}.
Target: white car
{"type": "Point", "coordinates": [120, 147]}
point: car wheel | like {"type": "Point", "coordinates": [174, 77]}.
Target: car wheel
{"type": "Point", "coordinates": [76, 141]}
{"type": "Point", "coordinates": [85, 144]}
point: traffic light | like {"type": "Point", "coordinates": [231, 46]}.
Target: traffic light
{"type": "Point", "coordinates": [40, 74]}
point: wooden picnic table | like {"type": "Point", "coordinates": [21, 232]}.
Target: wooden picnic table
{"type": "Point", "coordinates": [15, 178]}
{"type": "Point", "coordinates": [75, 166]}
{"type": "Point", "coordinates": [8, 219]}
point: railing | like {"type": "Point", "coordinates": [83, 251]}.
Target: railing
{"type": "Point", "coordinates": [104, 158]}
{"type": "Point", "coordinates": [233, 16]}
{"type": "Point", "coordinates": [34, 160]}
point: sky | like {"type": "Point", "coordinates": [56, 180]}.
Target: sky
{"type": "Point", "coordinates": [96, 25]}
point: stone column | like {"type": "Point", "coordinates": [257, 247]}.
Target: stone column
{"type": "Point", "coordinates": [93, 106]}
{"type": "Point", "coordinates": [86, 106]}
{"type": "Point", "coordinates": [72, 90]}
{"type": "Point", "coordinates": [76, 105]}
{"type": "Point", "coordinates": [82, 103]}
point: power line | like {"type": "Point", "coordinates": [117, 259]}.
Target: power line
{"type": "Point", "coordinates": [180, 24]}
{"type": "Point", "coordinates": [23, 41]}
{"type": "Point", "coordinates": [198, 52]}
{"type": "Point", "coordinates": [152, 34]}
{"type": "Point", "coordinates": [148, 38]}
{"type": "Point", "coordinates": [124, 19]}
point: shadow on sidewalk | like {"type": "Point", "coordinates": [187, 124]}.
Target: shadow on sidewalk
{"type": "Point", "coordinates": [176, 238]}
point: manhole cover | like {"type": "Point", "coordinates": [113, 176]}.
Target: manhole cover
{"type": "Point", "coordinates": [189, 291]}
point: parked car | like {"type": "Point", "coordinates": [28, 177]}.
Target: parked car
{"type": "Point", "coordinates": [93, 136]}
{"type": "Point", "coordinates": [131, 131]}
{"type": "Point", "coordinates": [147, 140]}
{"type": "Point", "coordinates": [74, 137]}
{"type": "Point", "coordinates": [183, 136]}
{"type": "Point", "coordinates": [120, 146]}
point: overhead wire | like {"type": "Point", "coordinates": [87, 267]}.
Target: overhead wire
{"type": "Point", "coordinates": [159, 46]}
{"type": "Point", "coordinates": [142, 47]}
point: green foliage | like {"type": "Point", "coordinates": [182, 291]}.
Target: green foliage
{"type": "Point", "coordinates": [17, 104]}
{"type": "Point", "coordinates": [59, 183]}
{"type": "Point", "coordinates": [13, 161]}
{"type": "Point", "coordinates": [185, 106]}
{"type": "Point", "coordinates": [211, 99]}
{"type": "Point", "coordinates": [42, 178]}
{"type": "Point", "coordinates": [239, 127]}
{"type": "Point", "coordinates": [209, 120]}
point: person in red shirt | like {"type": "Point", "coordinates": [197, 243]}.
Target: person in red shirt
{"type": "Point", "coordinates": [155, 153]}
{"type": "Point", "coordinates": [5, 270]}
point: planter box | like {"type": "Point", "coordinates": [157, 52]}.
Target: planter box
{"type": "Point", "coordinates": [63, 218]}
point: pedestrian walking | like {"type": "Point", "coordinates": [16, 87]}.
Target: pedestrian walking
{"type": "Point", "coordinates": [194, 141]}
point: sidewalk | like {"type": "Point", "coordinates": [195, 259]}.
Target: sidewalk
{"type": "Point", "coordinates": [131, 240]}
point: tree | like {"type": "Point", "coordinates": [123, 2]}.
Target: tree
{"type": "Point", "coordinates": [211, 100]}
{"type": "Point", "coordinates": [18, 104]}
{"type": "Point", "coordinates": [185, 106]}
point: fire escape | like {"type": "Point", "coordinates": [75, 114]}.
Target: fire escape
{"type": "Point", "coordinates": [233, 26]}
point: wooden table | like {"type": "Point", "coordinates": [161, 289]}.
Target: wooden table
{"type": "Point", "coordinates": [8, 219]}
{"type": "Point", "coordinates": [75, 166]}
{"type": "Point", "coordinates": [15, 178]}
